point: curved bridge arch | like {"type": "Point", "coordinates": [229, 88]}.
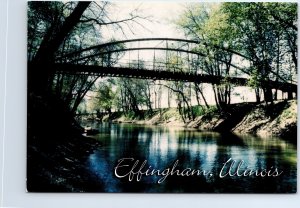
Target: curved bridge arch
{"type": "Point", "coordinates": [154, 48]}
{"type": "Point", "coordinates": [103, 45]}
{"type": "Point", "coordinates": [177, 49]}
{"type": "Point", "coordinates": [129, 72]}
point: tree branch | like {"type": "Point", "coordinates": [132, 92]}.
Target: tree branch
{"type": "Point", "coordinates": [101, 23]}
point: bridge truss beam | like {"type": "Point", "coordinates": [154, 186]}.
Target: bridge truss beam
{"type": "Point", "coordinates": [90, 70]}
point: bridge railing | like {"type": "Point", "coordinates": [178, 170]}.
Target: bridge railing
{"type": "Point", "coordinates": [191, 67]}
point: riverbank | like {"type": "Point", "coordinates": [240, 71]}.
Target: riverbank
{"type": "Point", "coordinates": [278, 119]}
{"type": "Point", "coordinates": [60, 166]}
{"type": "Point", "coordinates": [56, 150]}
{"type": "Point", "coordinates": [57, 153]}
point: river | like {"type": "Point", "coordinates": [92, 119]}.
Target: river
{"type": "Point", "coordinates": [272, 161]}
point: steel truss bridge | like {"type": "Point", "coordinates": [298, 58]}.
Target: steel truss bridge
{"type": "Point", "coordinates": [108, 60]}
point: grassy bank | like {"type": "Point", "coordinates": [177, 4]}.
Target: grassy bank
{"type": "Point", "coordinates": [277, 119]}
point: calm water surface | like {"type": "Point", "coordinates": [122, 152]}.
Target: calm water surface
{"type": "Point", "coordinates": [161, 147]}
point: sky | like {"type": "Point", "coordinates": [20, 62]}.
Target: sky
{"type": "Point", "coordinates": [160, 14]}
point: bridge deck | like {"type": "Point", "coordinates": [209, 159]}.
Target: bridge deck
{"type": "Point", "coordinates": [163, 75]}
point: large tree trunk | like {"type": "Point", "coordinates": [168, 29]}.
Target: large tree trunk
{"type": "Point", "coordinates": [41, 73]}
{"type": "Point", "coordinates": [49, 47]}
{"type": "Point", "coordinates": [257, 95]}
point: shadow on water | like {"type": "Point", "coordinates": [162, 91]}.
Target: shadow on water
{"type": "Point", "coordinates": [160, 148]}
{"type": "Point", "coordinates": [230, 139]}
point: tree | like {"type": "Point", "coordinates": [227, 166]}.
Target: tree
{"type": "Point", "coordinates": [262, 35]}
{"type": "Point", "coordinates": [59, 27]}
{"type": "Point", "coordinates": [59, 33]}
{"type": "Point", "coordinates": [266, 33]}
{"type": "Point", "coordinates": [104, 98]}
{"type": "Point", "coordinates": [208, 24]}
{"type": "Point", "coordinates": [56, 30]}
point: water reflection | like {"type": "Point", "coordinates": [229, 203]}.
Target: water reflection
{"type": "Point", "coordinates": [208, 151]}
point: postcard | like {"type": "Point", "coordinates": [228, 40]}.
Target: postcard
{"type": "Point", "coordinates": [162, 97]}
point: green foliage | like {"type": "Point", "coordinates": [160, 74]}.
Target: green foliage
{"type": "Point", "coordinates": [206, 22]}
{"type": "Point", "coordinates": [131, 115]}
{"type": "Point", "coordinates": [203, 111]}
{"type": "Point", "coordinates": [212, 110]}
{"type": "Point", "coordinates": [287, 113]}
{"type": "Point", "coordinates": [254, 80]}
{"type": "Point", "coordinates": [104, 98]}
{"type": "Point", "coordinates": [198, 110]}
{"type": "Point", "coordinates": [290, 112]}
{"type": "Point", "coordinates": [41, 16]}
{"type": "Point", "coordinates": [262, 35]}
{"type": "Point", "coordinates": [82, 108]}
{"type": "Point", "coordinates": [170, 113]}
{"type": "Point", "coordinates": [266, 33]}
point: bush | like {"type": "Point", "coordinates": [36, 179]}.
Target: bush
{"type": "Point", "coordinates": [130, 115]}
{"type": "Point", "coordinates": [201, 111]}
{"type": "Point", "coordinates": [170, 113]}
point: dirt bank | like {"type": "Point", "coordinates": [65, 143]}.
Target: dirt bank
{"type": "Point", "coordinates": [277, 119]}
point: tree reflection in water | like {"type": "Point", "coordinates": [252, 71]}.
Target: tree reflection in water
{"type": "Point", "coordinates": [162, 146]}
